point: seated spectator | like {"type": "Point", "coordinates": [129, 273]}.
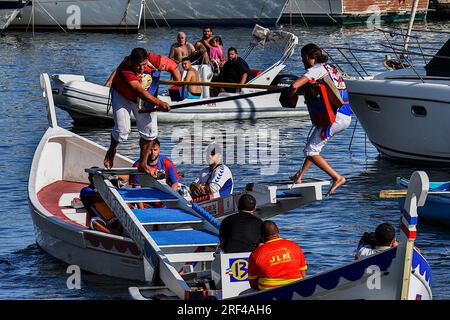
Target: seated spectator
{"type": "Point", "coordinates": [216, 180]}
{"type": "Point", "coordinates": [371, 243]}
{"type": "Point", "coordinates": [240, 232]}
{"type": "Point", "coordinates": [157, 164]}
{"type": "Point", "coordinates": [276, 262]}
{"type": "Point", "coordinates": [181, 48]}
{"type": "Point", "coordinates": [216, 51]}
{"type": "Point", "coordinates": [191, 91]}
{"type": "Point", "coordinates": [200, 55]}
{"type": "Point", "coordinates": [207, 36]}
{"type": "Point", "coordinates": [235, 70]}
{"type": "Point", "coordinates": [99, 216]}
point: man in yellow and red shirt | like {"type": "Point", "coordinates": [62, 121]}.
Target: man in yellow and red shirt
{"type": "Point", "coordinates": [276, 262]}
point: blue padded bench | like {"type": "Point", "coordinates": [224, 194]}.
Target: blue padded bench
{"type": "Point", "coordinates": [151, 216]}
{"type": "Point", "coordinates": [184, 238]}
{"type": "Point", "coordinates": [145, 195]}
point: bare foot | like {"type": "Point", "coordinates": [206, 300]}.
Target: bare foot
{"type": "Point", "coordinates": [336, 184]}
{"type": "Point", "coordinates": [296, 178]}
{"type": "Point", "coordinates": [109, 159]}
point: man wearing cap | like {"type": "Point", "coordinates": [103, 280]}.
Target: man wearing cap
{"type": "Point", "coordinates": [216, 180]}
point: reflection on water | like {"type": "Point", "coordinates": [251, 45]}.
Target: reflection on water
{"type": "Point", "coordinates": [328, 231]}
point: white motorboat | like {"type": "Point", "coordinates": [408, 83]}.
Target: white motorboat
{"type": "Point", "coordinates": [217, 13]}
{"type": "Point", "coordinates": [9, 9]}
{"type": "Point", "coordinates": [58, 174]}
{"type": "Point", "coordinates": [87, 101]}
{"type": "Point", "coordinates": [113, 15]}
{"type": "Point", "coordinates": [405, 112]}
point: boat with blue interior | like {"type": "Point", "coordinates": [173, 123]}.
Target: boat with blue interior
{"type": "Point", "coordinates": [58, 174]}
{"type": "Point", "coordinates": [173, 247]}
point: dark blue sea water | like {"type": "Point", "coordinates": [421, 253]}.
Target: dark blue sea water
{"type": "Point", "coordinates": [328, 231]}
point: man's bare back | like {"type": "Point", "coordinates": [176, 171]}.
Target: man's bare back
{"type": "Point", "coordinates": [192, 75]}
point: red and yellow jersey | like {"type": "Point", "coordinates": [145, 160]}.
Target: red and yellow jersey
{"type": "Point", "coordinates": [275, 263]}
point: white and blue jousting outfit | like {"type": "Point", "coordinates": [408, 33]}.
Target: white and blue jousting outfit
{"type": "Point", "coordinates": [220, 180]}
{"type": "Point", "coordinates": [317, 106]}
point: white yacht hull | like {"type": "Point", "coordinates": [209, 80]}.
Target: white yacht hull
{"type": "Point", "coordinates": [404, 119]}
{"type": "Point", "coordinates": [201, 12]}
{"type": "Point", "coordinates": [81, 14]}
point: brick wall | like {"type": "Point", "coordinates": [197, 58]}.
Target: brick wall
{"type": "Point", "coordinates": [359, 6]}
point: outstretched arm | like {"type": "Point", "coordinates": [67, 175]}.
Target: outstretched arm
{"type": "Point", "coordinates": [297, 84]}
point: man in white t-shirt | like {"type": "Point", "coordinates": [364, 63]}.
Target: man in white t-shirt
{"type": "Point", "coordinates": [326, 119]}
{"type": "Point", "coordinates": [215, 180]}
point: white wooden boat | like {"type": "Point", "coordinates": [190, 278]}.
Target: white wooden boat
{"type": "Point", "coordinates": [216, 13]}
{"type": "Point", "coordinates": [400, 272]}
{"type": "Point", "coordinates": [57, 175]}
{"type": "Point", "coordinates": [113, 15]}
{"type": "Point", "coordinates": [86, 101]}
{"type": "Point", "coordinates": [405, 112]}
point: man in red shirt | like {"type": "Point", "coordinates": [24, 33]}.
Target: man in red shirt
{"type": "Point", "coordinates": [276, 262]}
{"type": "Point", "coordinates": [125, 91]}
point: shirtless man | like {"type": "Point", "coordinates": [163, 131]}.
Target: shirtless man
{"type": "Point", "coordinates": [207, 37]}
{"type": "Point", "coordinates": [181, 48]}
{"type": "Point", "coordinates": [192, 91]}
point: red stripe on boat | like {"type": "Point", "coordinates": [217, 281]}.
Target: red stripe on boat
{"type": "Point", "coordinates": [409, 233]}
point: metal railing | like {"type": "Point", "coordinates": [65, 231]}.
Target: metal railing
{"type": "Point", "coordinates": [357, 62]}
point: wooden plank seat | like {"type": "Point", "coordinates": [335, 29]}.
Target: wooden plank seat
{"type": "Point", "coordinates": [153, 216]}
{"type": "Point", "coordinates": [145, 195]}
{"type": "Point", "coordinates": [184, 238]}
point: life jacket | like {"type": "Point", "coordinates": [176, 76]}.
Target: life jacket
{"type": "Point", "coordinates": [150, 81]}
{"type": "Point", "coordinates": [326, 96]}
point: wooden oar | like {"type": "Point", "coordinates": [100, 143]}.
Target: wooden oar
{"type": "Point", "coordinates": [219, 84]}
{"type": "Point", "coordinates": [218, 99]}
{"type": "Point", "coordinates": [400, 193]}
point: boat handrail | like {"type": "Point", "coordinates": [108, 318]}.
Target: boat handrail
{"type": "Point", "coordinates": [396, 56]}
{"type": "Point", "coordinates": [48, 94]}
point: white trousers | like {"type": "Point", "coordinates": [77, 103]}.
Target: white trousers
{"type": "Point", "coordinates": [146, 123]}
{"type": "Point", "coordinates": [315, 143]}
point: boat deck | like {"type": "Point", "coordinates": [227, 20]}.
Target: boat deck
{"type": "Point", "coordinates": [50, 196]}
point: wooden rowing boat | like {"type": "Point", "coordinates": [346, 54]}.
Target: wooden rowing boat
{"type": "Point", "coordinates": [57, 175]}
{"type": "Point", "coordinates": [437, 206]}
{"type": "Point", "coordinates": [398, 273]}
